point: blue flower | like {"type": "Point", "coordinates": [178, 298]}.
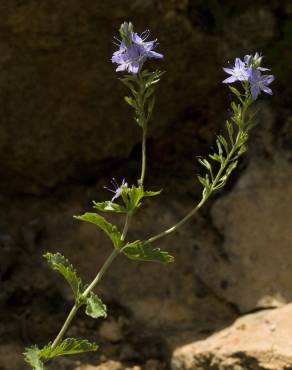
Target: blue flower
{"type": "Point", "coordinates": [118, 189]}
{"type": "Point", "coordinates": [134, 50]}
{"type": "Point", "coordinates": [259, 82]}
{"type": "Point", "coordinates": [239, 72]}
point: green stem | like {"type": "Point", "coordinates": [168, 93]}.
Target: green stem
{"type": "Point", "coordinates": [143, 166]}
{"type": "Point", "coordinates": [65, 326]}
{"type": "Point", "coordinates": [180, 223]}
{"type": "Point", "coordinates": [101, 272]}
{"type": "Point", "coordinates": [201, 203]}
{"type": "Point", "coordinates": [94, 282]}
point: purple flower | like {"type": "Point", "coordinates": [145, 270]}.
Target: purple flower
{"type": "Point", "coordinates": [259, 82]}
{"type": "Point", "coordinates": [133, 51]}
{"type": "Point", "coordinates": [239, 72]}
{"type": "Point", "coordinates": [117, 189]}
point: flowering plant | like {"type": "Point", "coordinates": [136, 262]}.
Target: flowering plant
{"type": "Point", "coordinates": [133, 52]}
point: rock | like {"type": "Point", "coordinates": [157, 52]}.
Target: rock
{"type": "Point", "coordinates": [108, 365]}
{"type": "Point", "coordinates": [258, 341]}
{"type": "Point", "coordinates": [251, 266]}
{"type": "Point", "coordinates": [153, 364]}
{"type": "Point", "coordinates": [56, 70]}
{"type": "Point", "coordinates": [111, 330]}
{"type": "Point", "coordinates": [11, 357]}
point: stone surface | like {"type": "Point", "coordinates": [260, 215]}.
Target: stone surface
{"type": "Point", "coordinates": [250, 267]}
{"type": "Point", "coordinates": [62, 110]}
{"type": "Point", "coordinates": [259, 341]}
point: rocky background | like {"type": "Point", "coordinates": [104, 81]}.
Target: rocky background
{"type": "Point", "coordinates": [65, 132]}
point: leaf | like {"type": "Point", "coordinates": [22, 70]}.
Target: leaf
{"type": "Point", "coordinates": [223, 142]}
{"type": "Point", "coordinates": [215, 157]}
{"type": "Point", "coordinates": [234, 91]}
{"type": "Point", "coordinates": [220, 151]}
{"type": "Point", "coordinates": [205, 163]}
{"type": "Point", "coordinates": [130, 101]}
{"type": "Point", "coordinates": [134, 196]}
{"type": "Point", "coordinates": [111, 230]}
{"type": "Point", "coordinates": [230, 130]}
{"type": "Point", "coordinates": [94, 306]}
{"type": "Point", "coordinates": [143, 251]}
{"type": "Point", "coordinates": [150, 107]}
{"type": "Point", "coordinates": [109, 206]}
{"type": "Point", "coordinates": [152, 193]}
{"type": "Point", "coordinates": [69, 346]}
{"type": "Point", "coordinates": [60, 263]}
{"type": "Point", "coordinates": [32, 357]}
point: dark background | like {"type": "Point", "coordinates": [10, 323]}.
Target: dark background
{"type": "Point", "coordinates": [65, 132]}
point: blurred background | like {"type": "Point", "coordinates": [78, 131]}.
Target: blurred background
{"type": "Point", "coordinates": [65, 132]}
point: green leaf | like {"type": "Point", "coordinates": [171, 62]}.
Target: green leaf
{"type": "Point", "coordinates": [152, 193]}
{"type": "Point", "coordinates": [134, 195]}
{"type": "Point", "coordinates": [60, 263]}
{"type": "Point", "coordinates": [150, 107]}
{"type": "Point", "coordinates": [32, 357]}
{"type": "Point", "coordinates": [111, 230]}
{"type": "Point", "coordinates": [205, 163]}
{"type": "Point", "coordinates": [143, 251]}
{"type": "Point", "coordinates": [234, 91]}
{"type": "Point", "coordinates": [36, 357]}
{"type": "Point", "coordinates": [109, 206]}
{"type": "Point", "coordinates": [215, 157]}
{"type": "Point", "coordinates": [130, 101]}
{"type": "Point", "coordinates": [69, 346]}
{"type": "Point", "coordinates": [130, 86]}
{"type": "Point", "coordinates": [94, 306]}
{"type": "Point", "coordinates": [230, 130]}
{"type": "Point", "coordinates": [223, 142]}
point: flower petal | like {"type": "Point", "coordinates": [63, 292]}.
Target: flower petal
{"type": "Point", "coordinates": [229, 80]}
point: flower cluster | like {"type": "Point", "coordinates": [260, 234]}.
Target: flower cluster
{"type": "Point", "coordinates": [250, 70]}
{"type": "Point", "coordinates": [134, 50]}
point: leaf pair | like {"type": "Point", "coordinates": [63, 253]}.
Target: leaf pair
{"type": "Point", "coordinates": [36, 357]}
{"type": "Point", "coordinates": [137, 250]}
{"type": "Point", "coordinates": [94, 306]}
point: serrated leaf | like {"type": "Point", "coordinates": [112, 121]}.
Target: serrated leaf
{"type": "Point", "coordinates": [111, 230]}
{"type": "Point", "coordinates": [134, 195]}
{"type": "Point", "coordinates": [32, 357]}
{"type": "Point", "coordinates": [69, 346]}
{"type": "Point", "coordinates": [143, 251]}
{"type": "Point", "coordinates": [109, 206]}
{"type": "Point", "coordinates": [60, 263]}
{"type": "Point", "coordinates": [94, 306]}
